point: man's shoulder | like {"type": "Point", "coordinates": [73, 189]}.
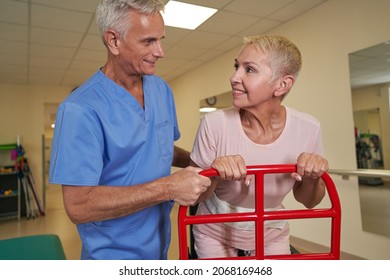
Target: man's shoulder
{"type": "Point", "coordinates": [90, 89]}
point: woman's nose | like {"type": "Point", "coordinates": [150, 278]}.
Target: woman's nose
{"type": "Point", "coordinates": [235, 78]}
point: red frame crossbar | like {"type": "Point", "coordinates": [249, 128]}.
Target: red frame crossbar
{"type": "Point", "coordinates": [259, 216]}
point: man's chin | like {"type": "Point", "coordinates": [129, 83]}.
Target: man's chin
{"type": "Point", "coordinates": [149, 72]}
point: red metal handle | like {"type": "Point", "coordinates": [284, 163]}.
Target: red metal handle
{"type": "Point", "coordinates": [259, 215]}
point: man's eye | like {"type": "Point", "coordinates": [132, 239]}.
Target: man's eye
{"type": "Point", "coordinates": [148, 42]}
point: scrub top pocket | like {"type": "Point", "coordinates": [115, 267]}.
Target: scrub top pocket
{"type": "Point", "coordinates": [165, 139]}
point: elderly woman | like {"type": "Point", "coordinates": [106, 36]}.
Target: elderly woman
{"type": "Point", "coordinates": [258, 129]}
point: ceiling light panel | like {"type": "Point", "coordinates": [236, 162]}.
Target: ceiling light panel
{"type": "Point", "coordinates": [187, 16]}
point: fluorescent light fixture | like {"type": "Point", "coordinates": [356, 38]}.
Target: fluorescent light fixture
{"type": "Point", "coordinates": [188, 16]}
{"type": "Point", "coordinates": [207, 109]}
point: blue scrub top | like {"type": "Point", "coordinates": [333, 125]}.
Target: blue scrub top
{"type": "Point", "coordinates": [104, 137]}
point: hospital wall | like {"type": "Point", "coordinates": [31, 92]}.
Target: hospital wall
{"type": "Point", "coordinates": [325, 36]}
{"type": "Point", "coordinates": [22, 114]}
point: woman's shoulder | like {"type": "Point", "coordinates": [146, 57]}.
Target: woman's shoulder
{"type": "Point", "coordinates": [302, 116]}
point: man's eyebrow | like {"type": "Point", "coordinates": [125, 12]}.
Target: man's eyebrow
{"type": "Point", "coordinates": [152, 38]}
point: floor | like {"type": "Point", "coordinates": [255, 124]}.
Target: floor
{"type": "Point", "coordinates": [374, 202]}
{"type": "Point", "coordinates": [54, 221]}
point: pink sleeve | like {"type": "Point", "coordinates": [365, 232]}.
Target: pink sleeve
{"type": "Point", "coordinates": [204, 150]}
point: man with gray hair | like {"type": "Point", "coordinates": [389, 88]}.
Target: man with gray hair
{"type": "Point", "coordinates": [113, 145]}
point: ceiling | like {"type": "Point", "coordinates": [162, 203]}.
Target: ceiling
{"type": "Point", "coordinates": [56, 42]}
{"type": "Point", "coordinates": [370, 66]}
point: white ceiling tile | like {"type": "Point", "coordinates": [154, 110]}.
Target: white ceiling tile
{"type": "Point", "coordinates": [227, 23]}
{"type": "Point", "coordinates": [16, 69]}
{"type": "Point", "coordinates": [184, 53]}
{"type": "Point", "coordinates": [91, 55]}
{"type": "Point", "coordinates": [55, 18]}
{"type": "Point", "coordinates": [174, 35]}
{"type": "Point", "coordinates": [231, 43]}
{"type": "Point", "coordinates": [65, 46]}
{"type": "Point", "coordinates": [13, 32]}
{"type": "Point", "coordinates": [12, 47]}
{"type": "Point", "coordinates": [51, 80]}
{"type": "Point", "coordinates": [76, 77]}
{"type": "Point", "coordinates": [12, 78]}
{"type": "Point", "coordinates": [216, 4]}
{"type": "Point", "coordinates": [49, 62]}
{"type": "Point", "coordinates": [198, 39]}
{"type": "Point", "coordinates": [52, 51]}
{"type": "Point", "coordinates": [255, 7]}
{"type": "Point", "coordinates": [93, 28]}
{"type": "Point", "coordinates": [47, 71]}
{"type": "Point", "coordinates": [72, 82]}
{"type": "Point", "coordinates": [75, 5]}
{"type": "Point", "coordinates": [84, 65]}
{"type": "Point", "coordinates": [294, 9]}
{"type": "Point", "coordinates": [55, 37]}
{"type": "Point", "coordinates": [260, 27]}
{"type": "Point", "coordinates": [12, 59]}
{"type": "Point", "coordinates": [93, 42]}
{"type": "Point", "coordinates": [85, 74]}
{"type": "Point", "coordinates": [13, 12]}
{"type": "Point", "coordinates": [210, 55]}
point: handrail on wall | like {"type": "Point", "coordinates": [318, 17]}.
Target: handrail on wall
{"type": "Point", "coordinates": [361, 172]}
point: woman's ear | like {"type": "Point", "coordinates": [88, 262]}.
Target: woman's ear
{"type": "Point", "coordinates": [112, 41]}
{"type": "Point", "coordinates": [285, 85]}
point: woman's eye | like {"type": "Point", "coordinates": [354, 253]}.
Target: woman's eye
{"type": "Point", "coordinates": [250, 70]}
{"type": "Point", "coordinates": [235, 66]}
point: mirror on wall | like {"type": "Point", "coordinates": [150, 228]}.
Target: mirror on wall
{"type": "Point", "coordinates": [370, 88]}
{"type": "Point", "coordinates": [215, 102]}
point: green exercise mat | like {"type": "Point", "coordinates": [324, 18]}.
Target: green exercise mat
{"type": "Point", "coordinates": [34, 247]}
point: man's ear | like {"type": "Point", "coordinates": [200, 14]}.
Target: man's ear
{"type": "Point", "coordinates": [112, 41]}
{"type": "Point", "coordinates": [285, 85]}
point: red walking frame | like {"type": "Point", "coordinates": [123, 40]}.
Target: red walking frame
{"type": "Point", "coordinates": [259, 216]}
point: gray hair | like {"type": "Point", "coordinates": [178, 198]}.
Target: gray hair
{"type": "Point", "coordinates": [283, 55]}
{"type": "Point", "coordinates": [112, 14]}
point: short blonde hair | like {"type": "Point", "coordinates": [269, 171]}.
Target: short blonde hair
{"type": "Point", "coordinates": [283, 55]}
